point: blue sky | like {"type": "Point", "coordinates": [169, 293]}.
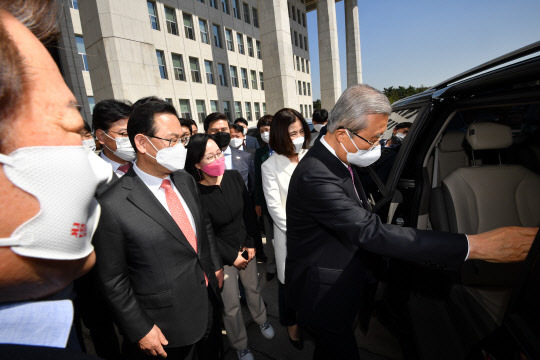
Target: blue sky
{"type": "Point", "coordinates": [423, 42]}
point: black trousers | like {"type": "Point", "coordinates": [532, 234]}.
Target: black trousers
{"type": "Point", "coordinates": [209, 347]}
{"type": "Point", "coordinates": [287, 315]}
{"type": "Point", "coordinates": [334, 345]}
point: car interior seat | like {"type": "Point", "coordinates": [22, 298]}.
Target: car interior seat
{"type": "Point", "coordinates": [482, 198]}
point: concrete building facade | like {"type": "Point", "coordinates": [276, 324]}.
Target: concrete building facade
{"type": "Point", "coordinates": [244, 58]}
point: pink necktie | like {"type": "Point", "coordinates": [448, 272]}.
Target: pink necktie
{"type": "Point", "coordinates": [352, 177]}
{"type": "Point", "coordinates": [179, 215]}
{"type": "Point", "coordinates": [124, 168]}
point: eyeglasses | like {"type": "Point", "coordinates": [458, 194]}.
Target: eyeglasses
{"type": "Point", "coordinates": [210, 158]}
{"type": "Point", "coordinates": [172, 142]}
{"type": "Point", "coordinates": [121, 133]}
{"type": "Point", "coordinates": [371, 143]}
{"type": "Point", "coordinates": [185, 140]}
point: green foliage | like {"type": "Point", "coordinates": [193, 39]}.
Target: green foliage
{"type": "Point", "coordinates": [395, 94]}
{"type": "Point", "coordinates": [317, 104]}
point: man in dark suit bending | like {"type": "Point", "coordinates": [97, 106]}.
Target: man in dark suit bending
{"type": "Point", "coordinates": [332, 236]}
{"type": "Point", "coordinates": [158, 265]}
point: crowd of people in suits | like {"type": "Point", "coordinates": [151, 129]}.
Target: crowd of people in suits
{"type": "Point", "coordinates": [158, 235]}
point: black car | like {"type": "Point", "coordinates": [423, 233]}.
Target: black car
{"type": "Point", "coordinates": [470, 163]}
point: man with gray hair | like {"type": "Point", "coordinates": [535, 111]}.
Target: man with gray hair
{"type": "Point", "coordinates": [333, 239]}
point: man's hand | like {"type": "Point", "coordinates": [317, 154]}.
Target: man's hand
{"type": "Point", "coordinates": [240, 263]}
{"type": "Point", "coordinates": [258, 210]}
{"type": "Point", "coordinates": [219, 275]}
{"type": "Point", "coordinates": [152, 343]}
{"type": "Point", "coordinates": [502, 245]}
{"type": "Point", "coordinates": [251, 253]}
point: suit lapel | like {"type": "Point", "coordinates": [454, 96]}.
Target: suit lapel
{"type": "Point", "coordinates": [145, 200]}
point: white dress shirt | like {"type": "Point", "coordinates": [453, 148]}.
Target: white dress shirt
{"type": "Point", "coordinates": [228, 158]}
{"type": "Point", "coordinates": [114, 164]}
{"type": "Point", "coordinates": [154, 184]}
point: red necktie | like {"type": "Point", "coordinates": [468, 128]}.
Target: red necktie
{"type": "Point", "coordinates": [124, 168]}
{"type": "Point", "coordinates": [179, 215]}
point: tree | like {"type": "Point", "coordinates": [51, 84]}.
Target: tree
{"type": "Point", "coordinates": [317, 104]}
{"type": "Point", "coordinates": [395, 94]}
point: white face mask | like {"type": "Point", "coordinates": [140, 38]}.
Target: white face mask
{"type": "Point", "coordinates": [400, 136]}
{"type": "Point", "coordinates": [265, 136]}
{"type": "Point", "coordinates": [245, 131]}
{"type": "Point", "coordinates": [298, 144]}
{"type": "Point", "coordinates": [89, 144]}
{"type": "Point", "coordinates": [318, 127]}
{"type": "Point", "coordinates": [236, 143]}
{"type": "Point", "coordinates": [172, 158]}
{"type": "Point", "coordinates": [64, 181]}
{"type": "Point", "coordinates": [124, 150]}
{"type": "Point", "coordinates": [362, 158]}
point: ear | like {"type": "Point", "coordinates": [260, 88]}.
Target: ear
{"type": "Point", "coordinates": [100, 136]}
{"type": "Point", "coordinates": [141, 142]}
{"type": "Point", "coordinates": [198, 166]}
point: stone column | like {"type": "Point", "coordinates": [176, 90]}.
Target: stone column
{"type": "Point", "coordinates": [277, 56]}
{"type": "Point", "coordinates": [354, 55]}
{"type": "Point", "coordinates": [328, 53]}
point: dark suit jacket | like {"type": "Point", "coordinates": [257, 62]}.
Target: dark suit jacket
{"type": "Point", "coordinates": [147, 269]}
{"type": "Point", "coordinates": [261, 154]}
{"type": "Point", "coordinates": [331, 239]}
{"type": "Point", "coordinates": [243, 163]}
{"type": "Point", "coordinates": [251, 142]}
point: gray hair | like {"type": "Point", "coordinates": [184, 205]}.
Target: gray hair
{"type": "Point", "coordinates": [353, 106]}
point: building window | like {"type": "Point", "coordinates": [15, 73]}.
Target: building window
{"type": "Point", "coordinates": [250, 46]}
{"type": "Point", "coordinates": [299, 87]}
{"type": "Point", "coordinates": [236, 9]}
{"type": "Point", "coordinates": [258, 44]}
{"type": "Point", "coordinates": [229, 39]}
{"type": "Point", "coordinates": [225, 6]}
{"type": "Point", "coordinates": [201, 110]}
{"type": "Point", "coordinates": [249, 117]}
{"type": "Point", "coordinates": [178, 67]}
{"type": "Point", "coordinates": [298, 16]}
{"type": "Point", "coordinates": [195, 72]}
{"type": "Point", "coordinates": [292, 37]}
{"type": "Point", "coordinates": [304, 19]}
{"type": "Point", "coordinates": [240, 41]}
{"type": "Point", "coordinates": [237, 109]}
{"type": "Point", "coordinates": [254, 79]}
{"type": "Point", "coordinates": [264, 108]}
{"type": "Point", "coordinates": [185, 109]}
{"type": "Point", "coordinates": [91, 103]}
{"type": "Point", "coordinates": [302, 109]}
{"type": "Point", "coordinates": [170, 19]}
{"type": "Point", "coordinates": [234, 76]}
{"type": "Point", "coordinates": [310, 112]}
{"type": "Point", "coordinates": [257, 110]}
{"type": "Point", "coordinates": [169, 100]}
{"type": "Point", "coordinates": [188, 27]}
{"type": "Point", "coordinates": [305, 44]}
{"type": "Point", "coordinates": [82, 51]}
{"type": "Point", "coordinates": [298, 63]}
{"type": "Point", "coordinates": [294, 13]}
{"type": "Point", "coordinates": [74, 4]}
{"type": "Point", "coordinates": [303, 66]}
{"type": "Point", "coordinates": [214, 106]}
{"type": "Point", "coordinates": [309, 89]}
{"type": "Point", "coordinates": [293, 60]}
{"type": "Point", "coordinates": [305, 88]}
{"type": "Point", "coordinates": [161, 64]}
{"type": "Point", "coordinates": [255, 17]}
{"type": "Point", "coordinates": [307, 66]}
{"type": "Point", "coordinates": [246, 13]}
{"type": "Point", "coordinates": [152, 13]}
{"type": "Point", "coordinates": [222, 75]}
{"type": "Point", "coordinates": [203, 28]}
{"type": "Point", "coordinates": [245, 82]}
{"type": "Point", "coordinates": [301, 42]}
{"type": "Point", "coordinates": [261, 80]}
{"type": "Point", "coordinates": [214, 3]}
{"type": "Point", "coordinates": [217, 36]}
{"type": "Point", "coordinates": [295, 38]}
{"type": "Point", "coordinates": [227, 109]}
{"type": "Point", "coordinates": [209, 66]}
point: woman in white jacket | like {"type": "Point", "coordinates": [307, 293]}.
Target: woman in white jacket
{"type": "Point", "coordinates": [289, 139]}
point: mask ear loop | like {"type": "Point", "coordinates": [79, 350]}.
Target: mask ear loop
{"type": "Point", "coordinates": [6, 159]}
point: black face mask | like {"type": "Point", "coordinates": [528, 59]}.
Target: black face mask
{"type": "Point", "coordinates": [222, 139]}
{"type": "Point", "coordinates": [396, 140]}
